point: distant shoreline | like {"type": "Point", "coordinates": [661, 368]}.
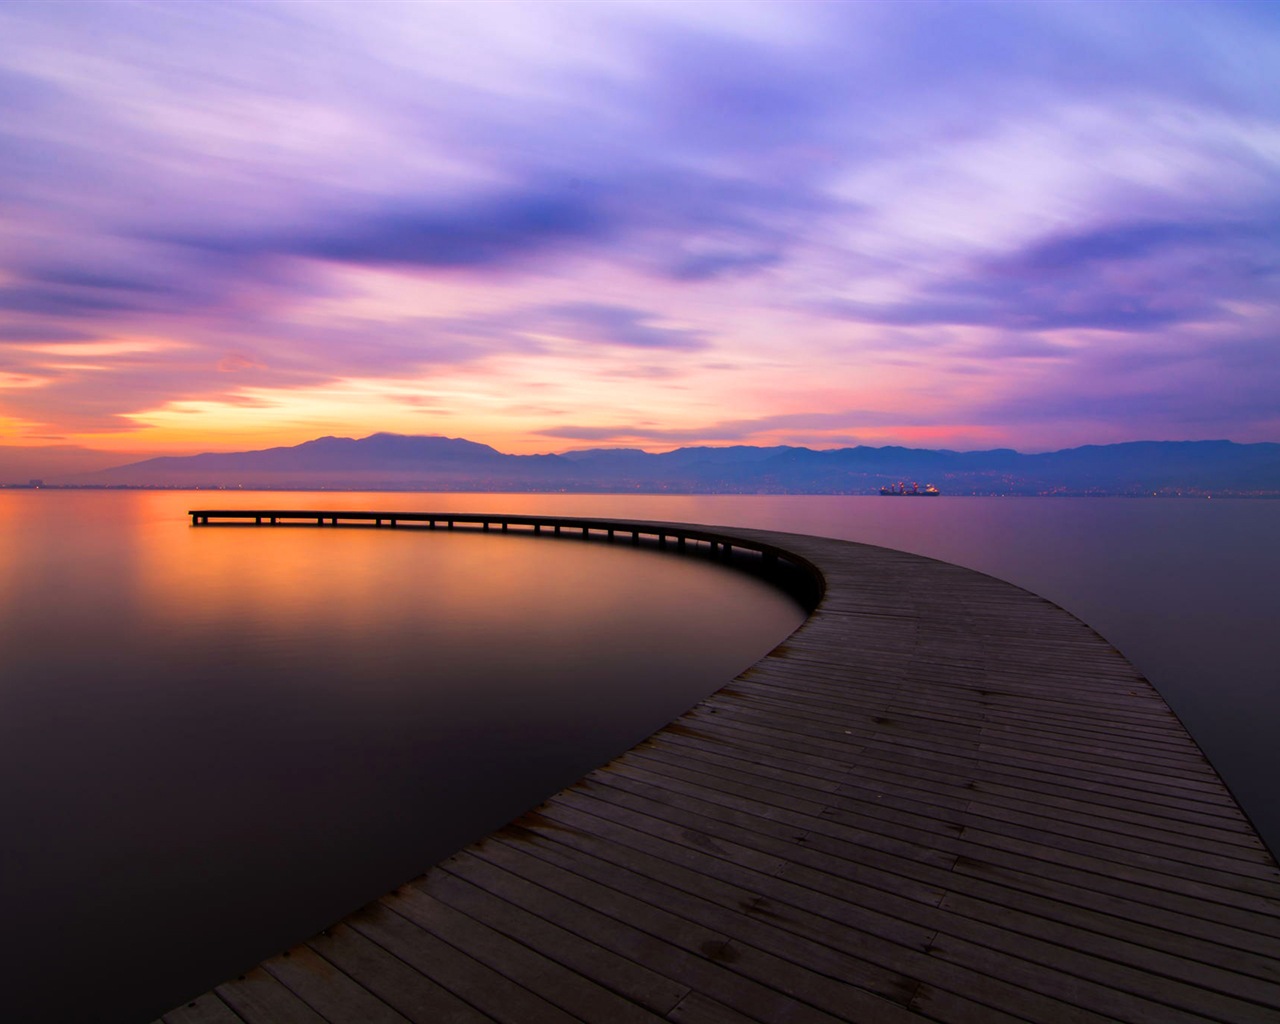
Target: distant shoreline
{"type": "Point", "coordinates": [671, 492]}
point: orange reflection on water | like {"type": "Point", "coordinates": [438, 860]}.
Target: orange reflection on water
{"type": "Point", "coordinates": [316, 711]}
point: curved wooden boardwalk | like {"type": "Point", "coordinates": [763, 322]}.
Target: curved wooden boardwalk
{"type": "Point", "coordinates": [942, 798]}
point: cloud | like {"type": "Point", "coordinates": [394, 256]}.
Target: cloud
{"type": "Point", "coordinates": [236, 362]}
{"type": "Point", "coordinates": [708, 265]}
{"type": "Point", "coordinates": [1125, 276]}
{"type": "Point", "coordinates": [474, 232]}
{"type": "Point", "coordinates": [60, 302]}
{"type": "Point", "coordinates": [600, 323]}
{"type": "Point", "coordinates": [1016, 345]}
{"type": "Point", "coordinates": [737, 429]}
{"type": "Point", "coordinates": [217, 360]}
{"type": "Point", "coordinates": [1020, 309]}
{"type": "Point", "coordinates": [290, 191]}
{"type": "Point", "coordinates": [1125, 241]}
{"type": "Point", "coordinates": [1170, 387]}
{"type": "Point", "coordinates": [41, 332]}
{"type": "Point", "coordinates": [681, 224]}
{"type": "Point", "coordinates": [1191, 266]}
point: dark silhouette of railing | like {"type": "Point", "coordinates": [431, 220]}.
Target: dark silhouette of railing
{"type": "Point", "coordinates": [793, 573]}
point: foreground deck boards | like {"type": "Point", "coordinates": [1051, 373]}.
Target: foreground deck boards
{"type": "Point", "coordinates": [942, 798]}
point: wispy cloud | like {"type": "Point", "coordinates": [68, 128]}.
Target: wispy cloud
{"type": "Point", "coordinates": [737, 430]}
{"type": "Point", "coordinates": [599, 323]}
{"type": "Point", "coordinates": [1126, 276]}
{"type": "Point", "coordinates": [1020, 207]}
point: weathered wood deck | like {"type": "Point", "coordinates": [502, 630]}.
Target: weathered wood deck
{"type": "Point", "coordinates": [942, 798]}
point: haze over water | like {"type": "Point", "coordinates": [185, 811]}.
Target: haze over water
{"type": "Point", "coordinates": [216, 741]}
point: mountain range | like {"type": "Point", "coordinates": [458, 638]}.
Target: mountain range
{"type": "Point", "coordinates": [406, 462]}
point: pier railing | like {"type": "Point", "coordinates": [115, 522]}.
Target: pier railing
{"type": "Point", "coordinates": [798, 576]}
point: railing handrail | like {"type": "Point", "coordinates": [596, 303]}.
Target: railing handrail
{"type": "Point", "coordinates": [725, 538]}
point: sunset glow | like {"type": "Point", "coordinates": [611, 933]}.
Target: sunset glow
{"type": "Point", "coordinates": [555, 226]}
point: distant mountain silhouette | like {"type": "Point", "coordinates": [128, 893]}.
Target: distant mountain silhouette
{"type": "Point", "coordinates": [400, 462]}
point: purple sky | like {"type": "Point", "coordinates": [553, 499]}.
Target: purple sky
{"type": "Point", "coordinates": [547, 226]}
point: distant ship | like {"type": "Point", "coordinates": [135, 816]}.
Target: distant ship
{"type": "Point", "coordinates": [900, 491]}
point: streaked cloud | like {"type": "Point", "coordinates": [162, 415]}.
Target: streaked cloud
{"type": "Point", "coordinates": [1033, 223]}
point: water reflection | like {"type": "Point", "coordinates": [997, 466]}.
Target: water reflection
{"type": "Point", "coordinates": [98, 708]}
{"type": "Point", "coordinates": [219, 740]}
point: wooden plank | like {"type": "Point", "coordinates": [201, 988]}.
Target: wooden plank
{"type": "Point", "coordinates": [404, 932]}
{"type": "Point", "coordinates": [205, 1009]}
{"type": "Point", "coordinates": [729, 878]}
{"type": "Point", "coordinates": [388, 977]}
{"type": "Point", "coordinates": [806, 851]}
{"type": "Point", "coordinates": [1128, 836]}
{"type": "Point", "coordinates": [946, 791]}
{"type": "Point", "coordinates": [794, 690]}
{"type": "Point", "coordinates": [584, 979]}
{"type": "Point", "coordinates": [328, 990]}
{"type": "Point", "coordinates": [1051, 945]}
{"type": "Point", "coordinates": [1231, 887]}
{"type": "Point", "coordinates": [259, 998]}
{"type": "Point", "coordinates": [695, 1008]}
{"type": "Point", "coordinates": [1205, 859]}
{"type": "Point", "coordinates": [1209, 804]}
{"type": "Point", "coordinates": [876, 833]}
{"type": "Point", "coordinates": [693, 956]}
{"type": "Point", "coordinates": [947, 713]}
{"type": "Point", "coordinates": [811, 973]}
{"type": "Point", "coordinates": [1113, 952]}
{"type": "Point", "coordinates": [807, 961]}
{"type": "Point", "coordinates": [826, 731]}
{"type": "Point", "coordinates": [1157, 927]}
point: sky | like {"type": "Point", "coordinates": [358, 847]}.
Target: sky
{"type": "Point", "coordinates": [547, 226]}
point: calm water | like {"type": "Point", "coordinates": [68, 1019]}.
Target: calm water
{"type": "Point", "coordinates": [214, 742]}
{"type": "Point", "coordinates": [199, 726]}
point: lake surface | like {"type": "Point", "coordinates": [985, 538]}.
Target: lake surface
{"type": "Point", "coordinates": [215, 741]}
